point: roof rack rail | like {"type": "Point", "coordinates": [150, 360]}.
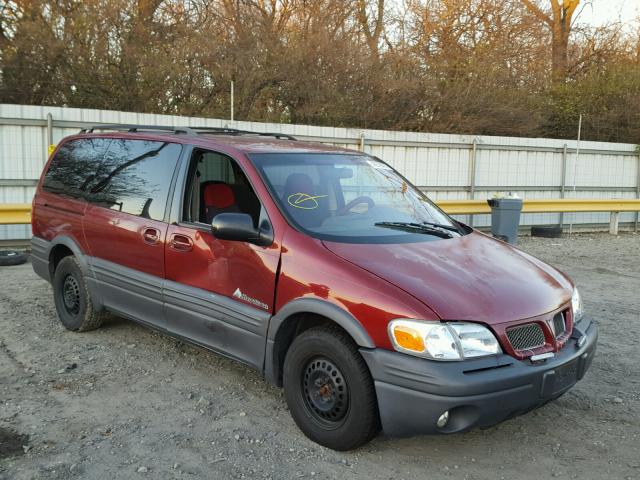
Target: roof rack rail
{"type": "Point", "coordinates": [137, 128]}
{"type": "Point", "coordinates": [185, 130]}
{"type": "Point", "coordinates": [235, 131]}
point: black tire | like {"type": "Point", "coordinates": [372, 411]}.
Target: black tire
{"type": "Point", "coordinates": [546, 231]}
{"type": "Point", "coordinates": [73, 301]}
{"type": "Point", "coordinates": [9, 258]}
{"type": "Point", "coordinates": [329, 389]}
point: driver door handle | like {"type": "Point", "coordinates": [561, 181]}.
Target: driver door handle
{"type": "Point", "coordinates": [181, 243]}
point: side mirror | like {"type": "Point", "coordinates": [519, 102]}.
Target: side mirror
{"type": "Point", "coordinates": [238, 227]}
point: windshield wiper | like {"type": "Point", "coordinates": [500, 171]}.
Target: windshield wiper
{"type": "Point", "coordinates": [418, 228]}
{"type": "Point", "coordinates": [439, 225]}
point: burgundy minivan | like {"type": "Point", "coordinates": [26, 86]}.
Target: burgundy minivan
{"type": "Point", "coordinates": [321, 267]}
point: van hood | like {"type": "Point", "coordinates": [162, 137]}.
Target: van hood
{"type": "Point", "coordinates": [473, 277]}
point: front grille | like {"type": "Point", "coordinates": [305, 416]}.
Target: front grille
{"type": "Point", "coordinates": [526, 337]}
{"type": "Point", "coordinates": [558, 324]}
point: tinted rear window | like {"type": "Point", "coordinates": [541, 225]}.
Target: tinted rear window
{"type": "Point", "coordinates": [74, 166]}
{"type": "Point", "coordinates": [134, 177]}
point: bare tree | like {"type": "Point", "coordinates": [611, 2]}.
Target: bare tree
{"type": "Point", "coordinates": [559, 22]}
{"type": "Point", "coordinates": [463, 66]}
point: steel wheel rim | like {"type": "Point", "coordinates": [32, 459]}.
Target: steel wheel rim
{"type": "Point", "coordinates": [325, 392]}
{"type": "Point", "coordinates": [71, 295]}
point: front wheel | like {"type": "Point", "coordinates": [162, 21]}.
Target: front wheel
{"type": "Point", "coordinates": [329, 389]}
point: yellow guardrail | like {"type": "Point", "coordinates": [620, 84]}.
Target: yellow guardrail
{"type": "Point", "coordinates": [570, 205]}
{"type": "Point", "coordinates": [464, 207]}
{"type": "Point", "coordinates": [15, 213]}
{"type": "Point", "coordinates": [559, 205]}
{"type": "Point", "coordinates": [20, 213]}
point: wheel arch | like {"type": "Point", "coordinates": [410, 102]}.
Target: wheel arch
{"type": "Point", "coordinates": [298, 316]}
{"type": "Point", "coordinates": [61, 247]}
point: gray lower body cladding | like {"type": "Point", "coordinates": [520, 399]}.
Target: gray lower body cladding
{"type": "Point", "coordinates": [40, 250]}
{"type": "Point", "coordinates": [213, 321]}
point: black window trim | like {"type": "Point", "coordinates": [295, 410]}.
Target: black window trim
{"type": "Point", "coordinates": [174, 179]}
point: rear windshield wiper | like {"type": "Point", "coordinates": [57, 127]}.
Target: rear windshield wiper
{"type": "Point", "coordinates": [417, 228]}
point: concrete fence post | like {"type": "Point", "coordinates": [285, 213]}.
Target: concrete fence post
{"type": "Point", "coordinates": [613, 223]}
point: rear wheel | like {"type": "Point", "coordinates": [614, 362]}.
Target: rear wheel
{"type": "Point", "coordinates": [73, 301]}
{"type": "Point", "coordinates": [329, 389]}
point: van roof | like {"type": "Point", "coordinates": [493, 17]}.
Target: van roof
{"type": "Point", "coordinates": [241, 140]}
{"type": "Point", "coordinates": [252, 144]}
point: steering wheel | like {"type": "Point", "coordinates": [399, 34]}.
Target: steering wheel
{"type": "Point", "coordinates": [356, 201]}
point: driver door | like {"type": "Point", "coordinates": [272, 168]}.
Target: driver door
{"type": "Point", "coordinates": [219, 293]}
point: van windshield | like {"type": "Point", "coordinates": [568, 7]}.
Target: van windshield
{"type": "Point", "coordinates": [351, 198]}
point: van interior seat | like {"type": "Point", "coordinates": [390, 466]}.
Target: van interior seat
{"type": "Point", "coordinates": [218, 197]}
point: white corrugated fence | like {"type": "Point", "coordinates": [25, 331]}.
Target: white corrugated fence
{"type": "Point", "coordinates": [445, 166]}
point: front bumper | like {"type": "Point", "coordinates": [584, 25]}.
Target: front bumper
{"type": "Point", "coordinates": [413, 392]}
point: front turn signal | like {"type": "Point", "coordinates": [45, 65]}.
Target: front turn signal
{"type": "Point", "coordinates": [408, 338]}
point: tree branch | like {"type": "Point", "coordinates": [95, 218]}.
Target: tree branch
{"type": "Point", "coordinates": [372, 38]}
{"type": "Point", "coordinates": [379, 20]}
{"type": "Point", "coordinates": [569, 9]}
{"type": "Point", "coordinates": [535, 10]}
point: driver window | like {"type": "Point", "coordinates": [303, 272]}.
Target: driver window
{"type": "Point", "coordinates": [217, 185]}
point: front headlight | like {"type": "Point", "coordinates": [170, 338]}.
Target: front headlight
{"type": "Point", "coordinates": [576, 305]}
{"type": "Point", "coordinates": [442, 341]}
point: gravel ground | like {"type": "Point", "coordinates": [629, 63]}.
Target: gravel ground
{"type": "Point", "coordinates": [126, 402]}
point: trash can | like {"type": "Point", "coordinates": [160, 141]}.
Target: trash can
{"type": "Point", "coordinates": [505, 217]}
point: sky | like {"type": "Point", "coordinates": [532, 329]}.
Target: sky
{"type": "Point", "coordinates": [599, 12]}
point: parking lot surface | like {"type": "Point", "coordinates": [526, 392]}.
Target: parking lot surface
{"type": "Point", "coordinates": [126, 402]}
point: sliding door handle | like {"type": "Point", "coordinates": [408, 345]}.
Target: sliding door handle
{"type": "Point", "coordinates": [151, 235]}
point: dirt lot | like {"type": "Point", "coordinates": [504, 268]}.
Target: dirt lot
{"type": "Point", "coordinates": [125, 402]}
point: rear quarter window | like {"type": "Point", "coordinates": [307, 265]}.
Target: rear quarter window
{"type": "Point", "coordinates": [74, 166]}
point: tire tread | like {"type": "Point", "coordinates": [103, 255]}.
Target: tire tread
{"type": "Point", "coordinates": [93, 318]}
{"type": "Point", "coordinates": [367, 402]}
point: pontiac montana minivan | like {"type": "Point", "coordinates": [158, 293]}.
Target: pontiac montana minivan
{"type": "Point", "coordinates": [322, 267]}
